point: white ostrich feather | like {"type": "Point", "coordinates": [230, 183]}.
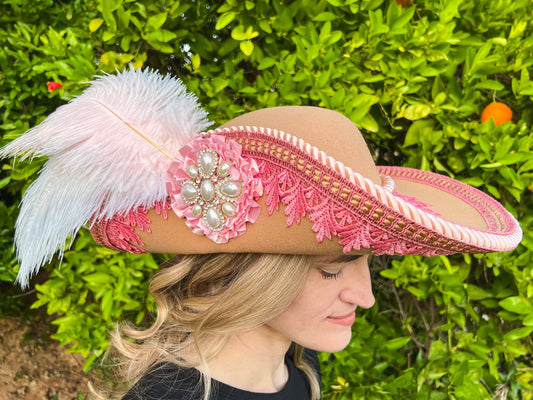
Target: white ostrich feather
{"type": "Point", "coordinates": [108, 152]}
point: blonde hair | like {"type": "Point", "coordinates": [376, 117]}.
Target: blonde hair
{"type": "Point", "coordinates": [203, 298]}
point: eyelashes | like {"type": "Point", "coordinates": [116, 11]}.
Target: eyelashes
{"type": "Point", "coordinates": [328, 263]}
{"type": "Point", "coordinates": [330, 275]}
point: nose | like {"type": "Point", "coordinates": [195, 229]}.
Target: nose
{"type": "Point", "coordinates": [358, 286]}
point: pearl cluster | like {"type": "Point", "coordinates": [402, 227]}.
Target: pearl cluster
{"type": "Point", "coordinates": [211, 190]}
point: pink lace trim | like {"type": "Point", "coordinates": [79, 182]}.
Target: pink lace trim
{"type": "Point", "coordinates": [330, 219]}
{"type": "Point", "coordinates": [306, 185]}
{"type": "Point", "coordinates": [118, 233]}
{"type": "Point", "coordinates": [335, 205]}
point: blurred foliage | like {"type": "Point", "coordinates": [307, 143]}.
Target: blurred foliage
{"type": "Point", "coordinates": [414, 79]}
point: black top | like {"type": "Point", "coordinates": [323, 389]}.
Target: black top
{"type": "Point", "coordinates": [169, 382]}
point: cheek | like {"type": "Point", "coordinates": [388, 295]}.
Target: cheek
{"type": "Point", "coordinates": [309, 328]}
{"type": "Point", "coordinates": [299, 316]}
{"type": "Point", "coordinates": [304, 322]}
{"type": "Point", "coordinates": [309, 309]}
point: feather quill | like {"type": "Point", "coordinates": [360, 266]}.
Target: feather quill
{"type": "Point", "coordinates": [108, 152]}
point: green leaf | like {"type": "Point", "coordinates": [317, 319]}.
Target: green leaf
{"type": "Point", "coordinates": [123, 18]}
{"type": "Point", "coordinates": [247, 47]}
{"type": "Point", "coordinates": [415, 112]}
{"type": "Point", "coordinates": [3, 62]}
{"type": "Point", "coordinates": [196, 61]}
{"type": "Point", "coordinates": [238, 33]}
{"type": "Point", "coordinates": [108, 35]}
{"type": "Point", "coordinates": [526, 91]}
{"type": "Point", "coordinates": [437, 351]}
{"type": "Point", "coordinates": [517, 30]}
{"type": "Point", "coordinates": [108, 7]}
{"type": "Point", "coordinates": [107, 305]}
{"type": "Point", "coordinates": [440, 98]}
{"type": "Point", "coordinates": [405, 380]}
{"type": "Point", "coordinates": [528, 320]}
{"type": "Point", "coordinates": [265, 26]}
{"type": "Point", "coordinates": [420, 294]}
{"type": "Point", "coordinates": [369, 124]}
{"type": "Point", "coordinates": [489, 85]}
{"type": "Point", "coordinates": [397, 343]}
{"type": "Point", "coordinates": [476, 293]}
{"type": "Point", "coordinates": [225, 19]}
{"type": "Point", "coordinates": [516, 304]}
{"type": "Point", "coordinates": [417, 131]}
{"type": "Point", "coordinates": [514, 158]}
{"type": "Point", "coordinates": [325, 16]}
{"type": "Point", "coordinates": [4, 182]}
{"type": "Point", "coordinates": [485, 144]}
{"type": "Point", "coordinates": [389, 273]}
{"type": "Point", "coordinates": [518, 333]}
{"type": "Point", "coordinates": [266, 63]}
{"type": "Point", "coordinates": [99, 278]}
{"type": "Point", "coordinates": [160, 35]}
{"type": "Point", "coordinates": [156, 21]}
{"type": "Point", "coordinates": [450, 11]}
{"type": "Point", "coordinates": [402, 21]}
{"type": "Point", "coordinates": [219, 84]}
{"type": "Point", "coordinates": [95, 24]}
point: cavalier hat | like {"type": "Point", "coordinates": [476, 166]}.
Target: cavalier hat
{"type": "Point", "coordinates": [131, 157]}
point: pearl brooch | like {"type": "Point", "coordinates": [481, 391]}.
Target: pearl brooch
{"type": "Point", "coordinates": [214, 188]}
{"type": "Point", "coordinates": [210, 189]}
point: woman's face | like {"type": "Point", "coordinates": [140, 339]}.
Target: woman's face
{"type": "Point", "coordinates": [321, 316]}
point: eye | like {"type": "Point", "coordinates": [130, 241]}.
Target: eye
{"type": "Point", "coordinates": [331, 275]}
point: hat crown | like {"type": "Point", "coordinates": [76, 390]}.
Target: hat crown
{"type": "Point", "coordinates": [327, 130]}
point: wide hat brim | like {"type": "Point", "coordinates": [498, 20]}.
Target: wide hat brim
{"type": "Point", "coordinates": [336, 199]}
{"type": "Point", "coordinates": [128, 156]}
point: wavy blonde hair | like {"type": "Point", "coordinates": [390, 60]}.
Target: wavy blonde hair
{"type": "Point", "coordinates": [201, 299]}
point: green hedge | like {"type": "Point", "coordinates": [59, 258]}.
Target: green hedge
{"type": "Point", "coordinates": [414, 79]}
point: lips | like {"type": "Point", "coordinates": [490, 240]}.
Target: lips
{"type": "Point", "coordinates": [344, 320]}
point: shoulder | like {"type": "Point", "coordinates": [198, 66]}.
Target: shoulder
{"type": "Point", "coordinates": [167, 381]}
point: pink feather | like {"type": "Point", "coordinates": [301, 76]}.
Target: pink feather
{"type": "Point", "coordinates": [108, 151]}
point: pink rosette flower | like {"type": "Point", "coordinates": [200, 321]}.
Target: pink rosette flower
{"type": "Point", "coordinates": [214, 188]}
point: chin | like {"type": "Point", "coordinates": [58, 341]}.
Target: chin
{"type": "Point", "coordinates": [333, 343]}
{"type": "Point", "coordinates": [334, 348]}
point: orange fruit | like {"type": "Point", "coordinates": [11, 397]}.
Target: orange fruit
{"type": "Point", "coordinates": [403, 3]}
{"type": "Point", "coordinates": [499, 113]}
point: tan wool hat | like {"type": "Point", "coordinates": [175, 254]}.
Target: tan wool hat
{"type": "Point", "coordinates": [131, 157]}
